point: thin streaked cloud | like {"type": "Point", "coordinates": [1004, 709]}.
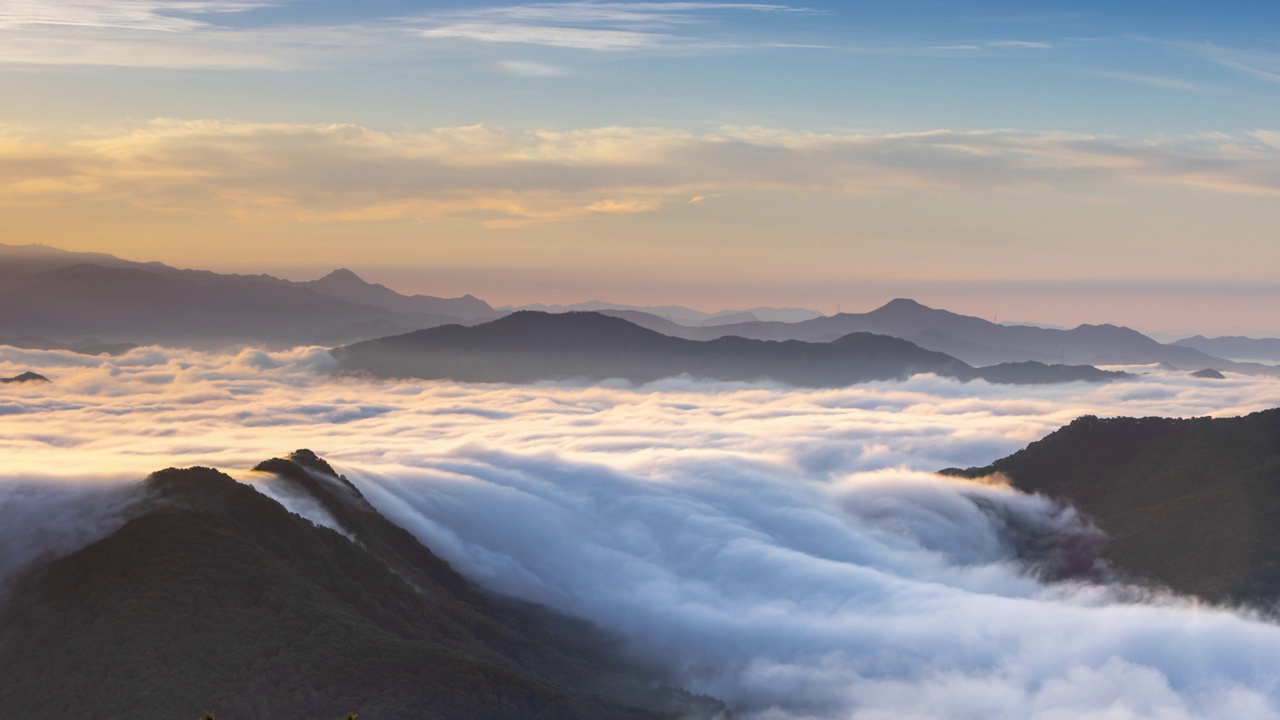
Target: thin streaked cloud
{"type": "Point", "coordinates": [151, 15]}
{"type": "Point", "coordinates": [176, 34]}
{"type": "Point", "coordinates": [1028, 44]}
{"type": "Point", "coordinates": [1143, 79]}
{"type": "Point", "coordinates": [599, 39]}
{"type": "Point", "coordinates": [593, 26]}
{"type": "Point", "coordinates": [990, 45]}
{"type": "Point", "coordinates": [525, 68]}
{"type": "Point", "coordinates": [186, 34]}
{"type": "Point", "coordinates": [1261, 64]}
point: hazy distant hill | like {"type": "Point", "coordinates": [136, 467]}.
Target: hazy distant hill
{"type": "Point", "coordinates": [1191, 503]}
{"type": "Point", "coordinates": [980, 342]}
{"type": "Point", "coordinates": [530, 346]}
{"type": "Point", "coordinates": [679, 314]}
{"type": "Point", "coordinates": [215, 597]}
{"type": "Point", "coordinates": [67, 297]}
{"type": "Point", "coordinates": [88, 346]}
{"type": "Point", "coordinates": [1235, 347]}
{"type": "Point", "coordinates": [346, 285]}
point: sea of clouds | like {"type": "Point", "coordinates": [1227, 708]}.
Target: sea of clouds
{"type": "Point", "coordinates": [788, 551]}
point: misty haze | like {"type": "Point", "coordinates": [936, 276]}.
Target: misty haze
{"type": "Point", "coordinates": [626, 360]}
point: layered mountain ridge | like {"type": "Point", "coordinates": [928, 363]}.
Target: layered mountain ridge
{"type": "Point", "coordinates": [974, 340]}
{"type": "Point", "coordinates": [95, 303]}
{"type": "Point", "coordinates": [57, 299]}
{"type": "Point", "coordinates": [531, 346]}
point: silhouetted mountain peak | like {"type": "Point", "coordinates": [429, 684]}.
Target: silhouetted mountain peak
{"type": "Point", "coordinates": [202, 490]}
{"type": "Point", "coordinates": [25, 377]}
{"type": "Point", "coordinates": [585, 323]}
{"type": "Point", "coordinates": [344, 276]}
{"type": "Point", "coordinates": [317, 478]}
{"type": "Point", "coordinates": [307, 458]}
{"type": "Point", "coordinates": [901, 304]}
{"type": "Point", "coordinates": [346, 285]}
{"type": "Point", "coordinates": [906, 310]}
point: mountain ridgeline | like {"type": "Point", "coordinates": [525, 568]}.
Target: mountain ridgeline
{"type": "Point", "coordinates": [1235, 347]}
{"type": "Point", "coordinates": [90, 302]}
{"type": "Point", "coordinates": [974, 340]}
{"type": "Point", "coordinates": [530, 346]}
{"type": "Point", "coordinates": [96, 303]}
{"type": "Point", "coordinates": [214, 596]}
{"type": "Point", "coordinates": [1187, 503]}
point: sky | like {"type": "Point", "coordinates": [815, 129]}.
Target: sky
{"type": "Point", "coordinates": [1060, 162]}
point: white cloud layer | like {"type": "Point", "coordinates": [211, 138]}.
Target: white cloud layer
{"type": "Point", "coordinates": [785, 550]}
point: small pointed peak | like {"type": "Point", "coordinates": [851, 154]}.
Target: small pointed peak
{"type": "Point", "coordinates": [309, 459]}
{"type": "Point", "coordinates": [343, 275]}
{"type": "Point", "coordinates": [27, 376]}
{"type": "Point", "coordinates": [903, 304]}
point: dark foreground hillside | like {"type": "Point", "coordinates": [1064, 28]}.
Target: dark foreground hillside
{"type": "Point", "coordinates": [1192, 504]}
{"type": "Point", "coordinates": [532, 346]}
{"type": "Point", "coordinates": [215, 597]}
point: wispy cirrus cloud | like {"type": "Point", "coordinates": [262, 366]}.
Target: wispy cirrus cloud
{"type": "Point", "coordinates": [525, 68]}
{"type": "Point", "coordinates": [505, 177]}
{"type": "Point", "coordinates": [600, 39]}
{"type": "Point", "coordinates": [1260, 64]}
{"type": "Point", "coordinates": [1026, 44]}
{"type": "Point", "coordinates": [603, 27]}
{"type": "Point", "coordinates": [153, 15]}
{"type": "Point", "coordinates": [971, 46]}
{"type": "Point", "coordinates": [162, 33]}
{"type": "Point", "coordinates": [1144, 79]}
{"type": "Point", "coordinates": [187, 34]}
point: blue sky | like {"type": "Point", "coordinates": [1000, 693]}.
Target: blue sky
{"type": "Point", "coordinates": [1092, 67]}
{"type": "Point", "coordinates": [728, 153]}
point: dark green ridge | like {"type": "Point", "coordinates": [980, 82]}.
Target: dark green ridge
{"type": "Point", "coordinates": [215, 597]}
{"type": "Point", "coordinates": [1187, 503]}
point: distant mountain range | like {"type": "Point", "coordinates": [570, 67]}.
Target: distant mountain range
{"type": "Point", "coordinates": [1236, 348]}
{"type": "Point", "coordinates": [213, 596]}
{"type": "Point", "coordinates": [529, 346]}
{"type": "Point", "coordinates": [88, 346]}
{"type": "Point", "coordinates": [1190, 504]}
{"type": "Point", "coordinates": [96, 303]}
{"type": "Point", "coordinates": [971, 339]}
{"type": "Point", "coordinates": [57, 297]}
{"type": "Point", "coordinates": [680, 315]}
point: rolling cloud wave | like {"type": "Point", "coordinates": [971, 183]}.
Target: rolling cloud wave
{"type": "Point", "coordinates": [787, 551]}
